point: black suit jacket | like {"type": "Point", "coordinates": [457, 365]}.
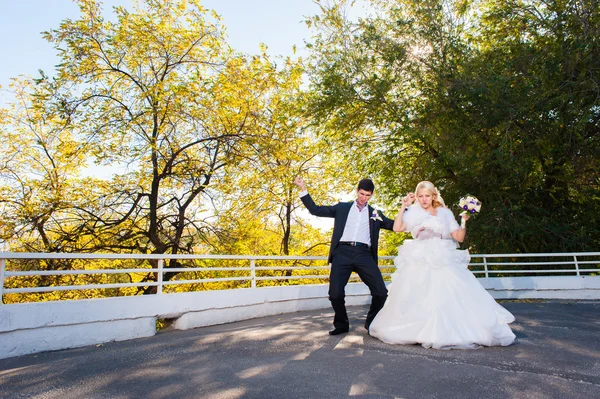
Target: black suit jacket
{"type": "Point", "coordinates": [340, 213]}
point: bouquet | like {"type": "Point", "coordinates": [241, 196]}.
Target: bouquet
{"type": "Point", "coordinates": [469, 204]}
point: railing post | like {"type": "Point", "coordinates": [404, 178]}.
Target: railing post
{"type": "Point", "coordinates": [253, 272]}
{"type": "Point", "coordinates": [485, 267]}
{"type": "Point", "coordinates": [576, 265]}
{"type": "Point", "coordinates": [2, 267]}
{"type": "Point", "coordinates": [159, 288]}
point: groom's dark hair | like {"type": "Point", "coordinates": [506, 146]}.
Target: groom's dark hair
{"type": "Point", "coordinates": [366, 184]}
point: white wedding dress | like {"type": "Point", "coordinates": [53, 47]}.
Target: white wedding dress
{"type": "Point", "coordinates": [434, 300]}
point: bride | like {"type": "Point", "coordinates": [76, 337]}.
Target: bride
{"type": "Point", "coordinates": [434, 300]}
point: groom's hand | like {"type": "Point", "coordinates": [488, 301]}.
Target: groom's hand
{"type": "Point", "coordinates": [298, 181]}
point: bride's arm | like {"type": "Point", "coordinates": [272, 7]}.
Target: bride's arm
{"type": "Point", "coordinates": [399, 224]}
{"type": "Point", "coordinates": [459, 235]}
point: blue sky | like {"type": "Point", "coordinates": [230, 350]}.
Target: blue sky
{"type": "Point", "coordinates": [277, 23]}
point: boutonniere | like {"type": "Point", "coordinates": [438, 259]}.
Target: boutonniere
{"type": "Point", "coordinates": [375, 216]}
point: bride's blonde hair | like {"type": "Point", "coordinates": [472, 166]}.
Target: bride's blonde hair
{"type": "Point", "coordinates": [428, 186]}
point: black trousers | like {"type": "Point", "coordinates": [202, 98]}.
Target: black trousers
{"type": "Point", "coordinates": [347, 259]}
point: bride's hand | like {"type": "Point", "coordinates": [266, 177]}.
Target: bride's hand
{"type": "Point", "coordinates": [409, 199]}
{"type": "Point", "coordinates": [464, 217]}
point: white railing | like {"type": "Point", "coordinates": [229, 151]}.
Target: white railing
{"type": "Point", "coordinates": [488, 265]}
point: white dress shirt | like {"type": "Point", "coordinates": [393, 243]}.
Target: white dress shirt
{"type": "Point", "coordinates": [357, 225]}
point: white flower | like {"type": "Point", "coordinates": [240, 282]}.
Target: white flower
{"type": "Point", "coordinates": [470, 204]}
{"type": "Point", "coordinates": [375, 215]}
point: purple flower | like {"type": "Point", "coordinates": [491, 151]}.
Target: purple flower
{"type": "Point", "coordinates": [465, 207]}
{"type": "Point", "coordinates": [473, 211]}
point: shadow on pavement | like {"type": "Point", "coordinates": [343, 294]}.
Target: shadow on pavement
{"type": "Point", "coordinates": [557, 355]}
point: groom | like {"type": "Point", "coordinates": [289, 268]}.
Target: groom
{"type": "Point", "coordinates": [353, 248]}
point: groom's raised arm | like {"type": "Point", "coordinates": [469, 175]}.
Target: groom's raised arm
{"type": "Point", "coordinates": [314, 209]}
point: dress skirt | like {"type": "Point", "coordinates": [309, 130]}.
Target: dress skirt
{"type": "Point", "coordinates": [434, 300]}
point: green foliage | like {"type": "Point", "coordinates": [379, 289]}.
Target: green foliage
{"type": "Point", "coordinates": [488, 97]}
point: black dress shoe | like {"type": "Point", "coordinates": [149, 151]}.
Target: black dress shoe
{"type": "Point", "coordinates": [339, 330]}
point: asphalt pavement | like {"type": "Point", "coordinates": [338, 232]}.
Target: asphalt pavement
{"type": "Point", "coordinates": [556, 355]}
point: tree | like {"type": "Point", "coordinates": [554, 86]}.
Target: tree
{"type": "Point", "coordinates": [262, 184]}
{"type": "Point", "coordinates": [494, 98]}
{"type": "Point", "coordinates": [159, 92]}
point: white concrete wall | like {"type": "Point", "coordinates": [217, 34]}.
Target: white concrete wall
{"type": "Point", "coordinates": [44, 326]}
{"type": "Point", "coordinates": [546, 287]}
